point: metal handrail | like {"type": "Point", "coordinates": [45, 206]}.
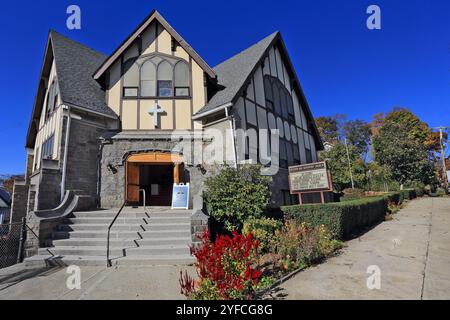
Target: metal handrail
{"type": "Point", "coordinates": [144, 199]}
{"type": "Point", "coordinates": [108, 261]}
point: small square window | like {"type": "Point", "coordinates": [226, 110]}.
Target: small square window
{"type": "Point", "coordinates": [130, 92]}
{"type": "Point", "coordinates": [182, 92]}
{"type": "Point", "coordinates": [165, 88]}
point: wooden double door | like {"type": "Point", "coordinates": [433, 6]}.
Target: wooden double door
{"type": "Point", "coordinates": [156, 175]}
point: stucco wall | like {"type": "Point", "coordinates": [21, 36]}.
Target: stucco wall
{"type": "Point", "coordinates": [178, 111]}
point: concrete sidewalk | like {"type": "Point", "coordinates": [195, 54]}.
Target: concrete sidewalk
{"type": "Point", "coordinates": [97, 283]}
{"type": "Point", "coordinates": [412, 252]}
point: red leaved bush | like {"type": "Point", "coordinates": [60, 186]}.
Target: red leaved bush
{"type": "Point", "coordinates": [224, 268]}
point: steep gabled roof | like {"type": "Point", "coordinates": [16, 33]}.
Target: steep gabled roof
{"type": "Point", "coordinates": [153, 16]}
{"type": "Point", "coordinates": [234, 74]}
{"type": "Point", "coordinates": [74, 64]}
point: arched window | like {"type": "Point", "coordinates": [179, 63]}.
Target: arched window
{"type": "Point", "coordinates": [165, 76]}
{"type": "Point", "coordinates": [268, 93]}
{"type": "Point", "coordinates": [148, 79]}
{"type": "Point", "coordinates": [276, 98]}
{"type": "Point", "coordinates": [283, 101]}
{"type": "Point", "coordinates": [181, 75]}
{"type": "Point", "coordinates": [156, 76]}
{"type": "Point", "coordinates": [131, 79]}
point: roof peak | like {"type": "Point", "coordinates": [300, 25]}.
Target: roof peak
{"type": "Point", "coordinates": [52, 33]}
{"type": "Point", "coordinates": [154, 15]}
{"type": "Point", "coordinates": [267, 38]}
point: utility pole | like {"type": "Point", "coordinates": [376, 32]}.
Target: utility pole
{"type": "Point", "coordinates": [444, 173]}
{"type": "Point", "coordinates": [349, 163]}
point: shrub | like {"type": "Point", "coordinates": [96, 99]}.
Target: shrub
{"type": "Point", "coordinates": [340, 218]}
{"type": "Point", "coordinates": [235, 195]}
{"type": "Point", "coordinates": [302, 245]}
{"type": "Point", "coordinates": [225, 269]}
{"type": "Point", "coordinates": [352, 194]}
{"type": "Point", "coordinates": [440, 192]}
{"type": "Point", "coordinates": [419, 191]}
{"type": "Point", "coordinates": [263, 230]}
{"type": "Point", "coordinates": [394, 198]}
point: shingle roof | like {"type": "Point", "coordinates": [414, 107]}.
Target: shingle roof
{"type": "Point", "coordinates": [4, 198]}
{"type": "Point", "coordinates": [75, 64]}
{"type": "Point", "coordinates": [233, 73]}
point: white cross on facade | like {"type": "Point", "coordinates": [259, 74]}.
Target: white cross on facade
{"type": "Point", "coordinates": [155, 110]}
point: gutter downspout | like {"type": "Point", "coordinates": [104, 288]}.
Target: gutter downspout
{"type": "Point", "coordinates": [232, 127]}
{"type": "Point", "coordinates": [66, 147]}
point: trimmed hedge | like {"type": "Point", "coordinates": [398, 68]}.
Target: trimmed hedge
{"type": "Point", "coordinates": [340, 218]}
{"type": "Point", "coordinates": [399, 197]}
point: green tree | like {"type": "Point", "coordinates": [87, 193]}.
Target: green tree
{"type": "Point", "coordinates": [235, 195]}
{"type": "Point", "coordinates": [404, 144]}
{"type": "Point", "coordinates": [338, 163]}
{"type": "Point", "coordinates": [328, 129]}
{"type": "Point", "coordinates": [358, 134]}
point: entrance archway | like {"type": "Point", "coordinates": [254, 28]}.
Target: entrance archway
{"type": "Point", "coordinates": [154, 172]}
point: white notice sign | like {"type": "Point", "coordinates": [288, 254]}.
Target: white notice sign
{"type": "Point", "coordinates": [309, 178]}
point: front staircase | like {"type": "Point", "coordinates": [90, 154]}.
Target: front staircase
{"type": "Point", "coordinates": [155, 236]}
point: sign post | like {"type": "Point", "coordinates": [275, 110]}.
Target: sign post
{"type": "Point", "coordinates": [180, 196]}
{"type": "Point", "coordinates": [310, 178]}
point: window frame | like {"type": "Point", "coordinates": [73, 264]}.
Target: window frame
{"type": "Point", "coordinates": [47, 149]}
{"type": "Point", "coordinates": [162, 58]}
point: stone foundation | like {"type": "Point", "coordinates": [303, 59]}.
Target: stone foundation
{"type": "Point", "coordinates": [19, 201]}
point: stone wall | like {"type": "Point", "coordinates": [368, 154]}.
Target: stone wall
{"type": "Point", "coordinates": [19, 201]}
{"type": "Point", "coordinates": [82, 157]}
{"type": "Point", "coordinates": [112, 183]}
{"type": "Point", "coordinates": [48, 193]}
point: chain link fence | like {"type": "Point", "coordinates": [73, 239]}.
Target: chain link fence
{"type": "Point", "coordinates": [12, 237]}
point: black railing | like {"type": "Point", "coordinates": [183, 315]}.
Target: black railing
{"type": "Point", "coordinates": [108, 261]}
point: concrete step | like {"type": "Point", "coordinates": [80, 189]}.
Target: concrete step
{"type": "Point", "coordinates": [85, 242]}
{"type": "Point", "coordinates": [98, 227]}
{"type": "Point", "coordinates": [117, 251]}
{"type": "Point", "coordinates": [159, 260]}
{"type": "Point", "coordinates": [166, 226]}
{"type": "Point", "coordinates": [52, 261]}
{"type": "Point", "coordinates": [108, 214]}
{"type": "Point", "coordinates": [158, 250]}
{"type": "Point", "coordinates": [133, 213]}
{"type": "Point", "coordinates": [98, 234]}
{"type": "Point", "coordinates": [162, 234]}
{"type": "Point", "coordinates": [84, 251]}
{"type": "Point", "coordinates": [105, 220]}
{"type": "Point", "coordinates": [166, 241]}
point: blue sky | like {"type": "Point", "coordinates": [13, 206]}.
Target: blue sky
{"type": "Point", "coordinates": [343, 67]}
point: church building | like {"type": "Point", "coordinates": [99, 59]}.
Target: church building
{"type": "Point", "coordinates": [106, 127]}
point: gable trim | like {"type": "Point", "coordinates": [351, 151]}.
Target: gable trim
{"type": "Point", "coordinates": [154, 15]}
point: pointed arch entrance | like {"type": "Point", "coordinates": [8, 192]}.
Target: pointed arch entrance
{"type": "Point", "coordinates": [154, 172]}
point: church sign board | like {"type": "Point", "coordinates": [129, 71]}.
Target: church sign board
{"type": "Point", "coordinates": [180, 196]}
{"type": "Point", "coordinates": [308, 178]}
